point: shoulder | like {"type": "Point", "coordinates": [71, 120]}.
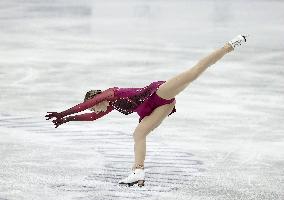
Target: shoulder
{"type": "Point", "coordinates": [113, 88]}
{"type": "Point", "coordinates": [112, 92]}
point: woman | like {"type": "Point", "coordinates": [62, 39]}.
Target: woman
{"type": "Point", "coordinates": [153, 104]}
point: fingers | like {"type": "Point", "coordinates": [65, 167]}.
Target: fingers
{"type": "Point", "coordinates": [56, 124]}
{"type": "Point", "coordinates": [58, 121]}
{"type": "Point", "coordinates": [51, 113]}
{"type": "Point", "coordinates": [49, 116]}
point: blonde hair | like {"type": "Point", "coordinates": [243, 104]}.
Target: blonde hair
{"type": "Point", "coordinates": [91, 94]}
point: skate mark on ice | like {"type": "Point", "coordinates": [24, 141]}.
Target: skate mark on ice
{"type": "Point", "coordinates": [167, 168]}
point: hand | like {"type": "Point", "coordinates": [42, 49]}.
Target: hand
{"type": "Point", "coordinates": [57, 122]}
{"type": "Point", "coordinates": [53, 114]}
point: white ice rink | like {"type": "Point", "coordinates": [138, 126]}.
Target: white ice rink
{"type": "Point", "coordinates": [224, 142]}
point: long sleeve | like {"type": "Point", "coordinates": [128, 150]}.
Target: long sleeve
{"type": "Point", "coordinates": [88, 116]}
{"type": "Point", "coordinates": [108, 94]}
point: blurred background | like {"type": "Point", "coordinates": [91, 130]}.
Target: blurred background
{"type": "Point", "coordinates": [224, 142]}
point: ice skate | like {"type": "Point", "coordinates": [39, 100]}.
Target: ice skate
{"type": "Point", "coordinates": [238, 40]}
{"type": "Point", "coordinates": [136, 177]}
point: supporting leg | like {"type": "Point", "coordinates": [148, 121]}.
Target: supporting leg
{"type": "Point", "coordinates": [178, 83]}
{"type": "Point", "coordinates": [148, 124]}
{"type": "Point", "coordinates": [139, 150]}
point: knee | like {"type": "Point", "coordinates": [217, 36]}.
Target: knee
{"type": "Point", "coordinates": [138, 136]}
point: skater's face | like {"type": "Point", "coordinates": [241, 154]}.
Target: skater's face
{"type": "Point", "coordinates": [102, 106]}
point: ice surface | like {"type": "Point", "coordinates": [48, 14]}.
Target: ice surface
{"type": "Point", "coordinates": [224, 142]}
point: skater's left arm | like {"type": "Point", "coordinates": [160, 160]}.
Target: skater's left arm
{"type": "Point", "coordinates": [105, 95]}
{"type": "Point", "coordinates": [108, 95]}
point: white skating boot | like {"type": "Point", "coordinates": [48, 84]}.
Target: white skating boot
{"type": "Point", "coordinates": [136, 176]}
{"type": "Point", "coordinates": [238, 40]}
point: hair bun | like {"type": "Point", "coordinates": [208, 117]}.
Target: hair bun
{"type": "Point", "coordinates": [91, 93]}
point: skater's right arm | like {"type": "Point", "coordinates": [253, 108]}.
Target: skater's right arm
{"type": "Point", "coordinates": [89, 116]}
{"type": "Point", "coordinates": [83, 117]}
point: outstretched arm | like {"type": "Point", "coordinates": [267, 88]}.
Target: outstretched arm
{"type": "Point", "coordinates": [83, 117]}
{"type": "Point", "coordinates": [105, 95]}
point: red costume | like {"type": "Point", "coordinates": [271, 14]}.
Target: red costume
{"type": "Point", "coordinates": [125, 100]}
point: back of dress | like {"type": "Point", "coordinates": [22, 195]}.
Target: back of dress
{"type": "Point", "coordinates": [128, 99]}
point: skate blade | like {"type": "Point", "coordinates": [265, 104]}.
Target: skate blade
{"type": "Point", "coordinates": [140, 183]}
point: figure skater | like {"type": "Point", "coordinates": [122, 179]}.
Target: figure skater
{"type": "Point", "coordinates": [153, 103]}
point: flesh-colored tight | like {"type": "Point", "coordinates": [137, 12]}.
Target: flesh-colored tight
{"type": "Point", "coordinates": [169, 90]}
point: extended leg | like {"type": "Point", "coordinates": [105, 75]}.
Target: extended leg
{"type": "Point", "coordinates": [176, 84]}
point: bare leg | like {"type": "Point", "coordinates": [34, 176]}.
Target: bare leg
{"type": "Point", "coordinates": [148, 124]}
{"type": "Point", "coordinates": [169, 90]}
{"type": "Point", "coordinates": [140, 152]}
{"type": "Point", "coordinates": [178, 83]}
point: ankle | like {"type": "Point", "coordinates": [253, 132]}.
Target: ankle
{"type": "Point", "coordinates": [228, 48]}
{"type": "Point", "coordinates": [137, 166]}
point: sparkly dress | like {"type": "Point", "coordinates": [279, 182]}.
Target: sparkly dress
{"type": "Point", "coordinates": [125, 100]}
{"type": "Point", "coordinates": [140, 100]}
